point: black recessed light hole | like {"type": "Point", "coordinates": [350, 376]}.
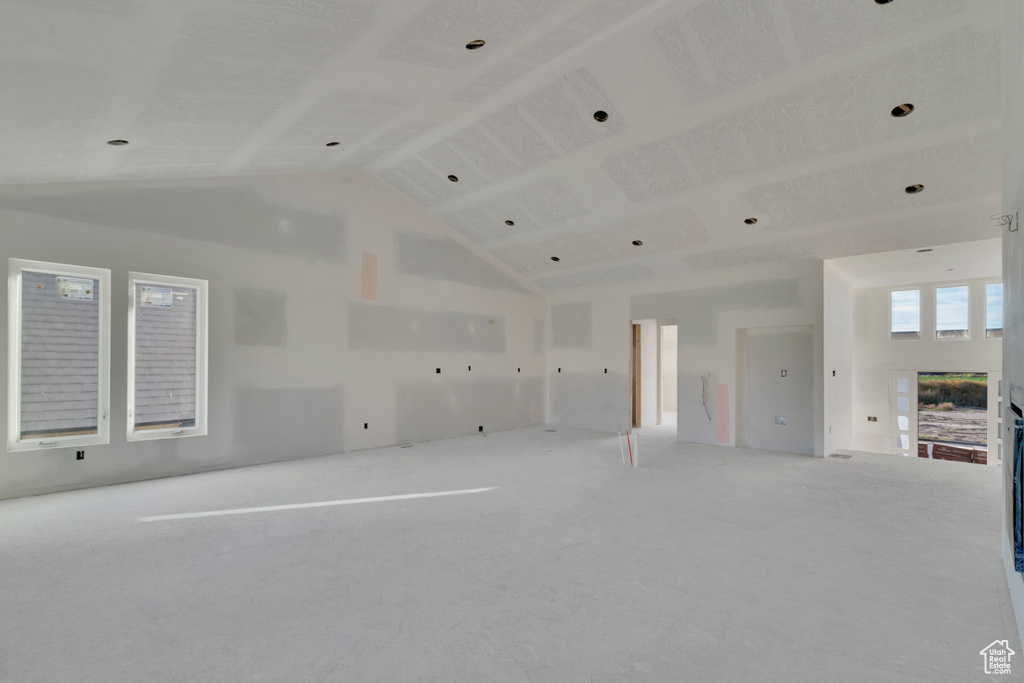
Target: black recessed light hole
{"type": "Point", "coordinates": [637, 243]}
{"type": "Point", "coordinates": [474, 44]}
{"type": "Point", "coordinates": [901, 110]}
{"type": "Point", "coordinates": [750, 221]}
{"type": "Point", "coordinates": [555, 258]}
{"type": "Point", "coordinates": [117, 143]}
{"type": "Point", "coordinates": [600, 116]}
{"type": "Point", "coordinates": [914, 189]}
{"type": "Point", "coordinates": [922, 251]}
{"type": "Point", "coordinates": [333, 144]}
{"type": "Point", "coordinates": [510, 222]}
{"type": "Point", "coordinates": [453, 178]}
{"type": "Point", "coordinates": [882, 2]}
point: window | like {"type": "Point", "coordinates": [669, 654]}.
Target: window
{"type": "Point", "coordinates": [951, 312]}
{"type": "Point", "coordinates": [58, 355]}
{"type": "Point", "coordinates": [167, 351]}
{"type": "Point", "coordinates": [994, 311]}
{"type": "Point", "coordinates": [905, 314]}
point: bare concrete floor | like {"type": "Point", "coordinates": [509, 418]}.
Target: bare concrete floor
{"type": "Point", "coordinates": [706, 564]}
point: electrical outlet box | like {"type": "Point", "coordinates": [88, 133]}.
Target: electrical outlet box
{"type": "Point", "coordinates": [79, 455]}
{"type": "Point", "coordinates": [872, 418]}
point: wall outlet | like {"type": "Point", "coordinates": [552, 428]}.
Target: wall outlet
{"type": "Point", "coordinates": [871, 418]}
{"type": "Point", "coordinates": [783, 373]}
{"type": "Point", "coordinates": [79, 455]}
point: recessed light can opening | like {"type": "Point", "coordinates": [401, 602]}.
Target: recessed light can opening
{"type": "Point", "coordinates": [914, 189]}
{"type": "Point", "coordinates": [555, 258]}
{"type": "Point", "coordinates": [882, 2]}
{"type": "Point", "coordinates": [902, 110]}
{"type": "Point", "coordinates": [637, 243]}
{"type": "Point", "coordinates": [333, 144]}
{"type": "Point", "coordinates": [600, 116]}
{"type": "Point", "coordinates": [117, 143]}
{"type": "Point", "coordinates": [453, 178]}
{"type": "Point", "coordinates": [749, 221]}
{"type": "Point", "coordinates": [510, 222]}
{"type": "Point", "coordinates": [474, 44]}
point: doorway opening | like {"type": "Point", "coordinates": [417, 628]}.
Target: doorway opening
{"type": "Point", "coordinates": [953, 416]}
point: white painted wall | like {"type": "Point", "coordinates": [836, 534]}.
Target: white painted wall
{"type": "Point", "coordinates": [775, 411]}
{"type": "Point", "coordinates": [1013, 247]}
{"type": "Point", "coordinates": [312, 393]}
{"type": "Point", "coordinates": [648, 372]}
{"type": "Point", "coordinates": [875, 354]}
{"type": "Point", "coordinates": [709, 310]}
{"type": "Point", "coordinates": [838, 353]}
{"type": "Point", "coordinates": [669, 367]}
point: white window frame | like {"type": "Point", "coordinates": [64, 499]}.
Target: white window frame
{"type": "Point", "coordinates": [935, 308]}
{"type": "Point", "coordinates": [1002, 304]}
{"type": "Point", "coordinates": [202, 354]}
{"type": "Point", "coordinates": [920, 313]}
{"type": "Point", "coordinates": [14, 291]}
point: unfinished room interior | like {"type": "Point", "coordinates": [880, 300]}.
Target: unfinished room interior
{"type": "Point", "coordinates": [512, 340]}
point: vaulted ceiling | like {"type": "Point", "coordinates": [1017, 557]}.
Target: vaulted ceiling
{"type": "Point", "coordinates": [717, 112]}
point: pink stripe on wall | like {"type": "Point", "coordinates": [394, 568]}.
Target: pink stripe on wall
{"type": "Point", "coordinates": [369, 276]}
{"type": "Point", "coordinates": [722, 413]}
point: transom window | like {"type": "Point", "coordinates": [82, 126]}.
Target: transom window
{"type": "Point", "coordinates": [905, 314]}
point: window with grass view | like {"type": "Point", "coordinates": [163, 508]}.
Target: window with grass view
{"type": "Point", "coordinates": [905, 314]}
{"type": "Point", "coordinates": [951, 312]}
{"type": "Point", "coordinates": [994, 311]}
{"type": "Point", "coordinates": [953, 414]}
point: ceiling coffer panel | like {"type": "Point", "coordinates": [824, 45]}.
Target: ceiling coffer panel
{"type": "Point", "coordinates": [436, 35]}
{"type": "Point", "coordinates": [551, 122]}
{"type": "Point", "coordinates": [838, 114]}
{"type": "Point", "coordinates": [540, 206]}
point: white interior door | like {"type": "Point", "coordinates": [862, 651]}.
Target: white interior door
{"type": "Point", "coordinates": [903, 411]}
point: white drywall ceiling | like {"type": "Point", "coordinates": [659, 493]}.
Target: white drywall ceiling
{"type": "Point", "coordinates": [981, 259]}
{"type": "Point", "coordinates": [718, 111]}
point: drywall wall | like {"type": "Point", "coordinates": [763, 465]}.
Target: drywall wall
{"type": "Point", "coordinates": [709, 310]}
{"type": "Point", "coordinates": [1013, 250]}
{"type": "Point", "coordinates": [775, 404]}
{"type": "Point", "coordinates": [589, 387]}
{"type": "Point", "coordinates": [838, 358]}
{"type": "Point", "coordinates": [875, 354]}
{"type": "Point", "coordinates": [649, 368]}
{"type": "Point", "coordinates": [669, 351]}
{"type": "Point", "coordinates": [333, 304]}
